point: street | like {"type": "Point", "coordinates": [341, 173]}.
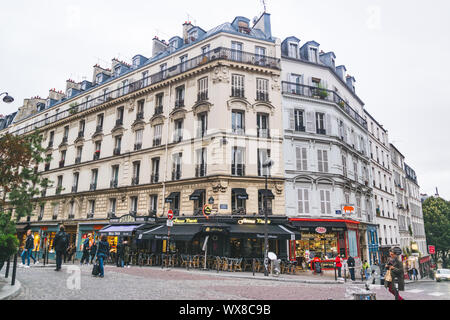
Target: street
{"type": "Point", "coordinates": [153, 283]}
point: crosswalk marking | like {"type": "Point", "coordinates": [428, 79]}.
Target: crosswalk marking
{"type": "Point", "coordinates": [414, 291]}
{"type": "Point", "coordinates": [436, 294]}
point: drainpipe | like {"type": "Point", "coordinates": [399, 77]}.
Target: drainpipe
{"type": "Point", "coordinates": [166, 152]}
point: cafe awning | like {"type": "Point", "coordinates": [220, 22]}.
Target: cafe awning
{"type": "Point", "coordinates": [183, 232]}
{"type": "Point", "coordinates": [256, 231]}
{"type": "Point", "coordinates": [240, 193]}
{"type": "Point", "coordinates": [318, 223]}
{"type": "Point", "coordinates": [22, 227]}
{"type": "Point", "coordinates": [266, 193]}
{"type": "Point", "coordinates": [120, 230]}
{"type": "Point", "coordinates": [172, 196]}
{"type": "Point", "coordinates": [197, 194]}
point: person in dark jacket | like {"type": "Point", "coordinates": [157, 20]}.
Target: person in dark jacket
{"type": "Point", "coordinates": [85, 256]}
{"type": "Point", "coordinates": [120, 254]}
{"type": "Point", "coordinates": [60, 244]}
{"type": "Point", "coordinates": [93, 250]}
{"type": "Point", "coordinates": [396, 267]}
{"type": "Point", "coordinates": [102, 253]}
{"type": "Point", "coordinates": [351, 267]}
{"type": "Point", "coordinates": [28, 249]}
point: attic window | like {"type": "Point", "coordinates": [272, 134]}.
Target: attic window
{"type": "Point", "coordinates": [313, 54]}
{"type": "Point", "coordinates": [136, 62]}
{"type": "Point", "coordinates": [117, 71]}
{"type": "Point", "coordinates": [243, 27]}
{"type": "Point", "coordinates": [193, 36]}
{"type": "Point", "coordinates": [98, 78]}
{"type": "Point", "coordinates": [293, 50]}
{"type": "Point", "coordinates": [69, 93]}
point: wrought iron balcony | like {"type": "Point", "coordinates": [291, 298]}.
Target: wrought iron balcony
{"type": "Point", "coordinates": [154, 178]}
{"type": "Point", "coordinates": [135, 181]}
{"type": "Point", "coordinates": [119, 122]}
{"type": "Point", "coordinates": [200, 170]}
{"type": "Point", "coordinates": [156, 142]}
{"type": "Point", "coordinates": [237, 92]}
{"type": "Point", "coordinates": [216, 54]}
{"type": "Point", "coordinates": [176, 175]}
{"type": "Point", "coordinates": [239, 131]}
{"type": "Point", "coordinates": [139, 115]}
{"type": "Point", "coordinates": [263, 133]}
{"type": "Point", "coordinates": [80, 134]}
{"type": "Point", "coordinates": [322, 94]}
{"type": "Point", "coordinates": [158, 110]}
{"type": "Point", "coordinates": [202, 96]}
{"type": "Point", "coordinates": [92, 187]}
{"type": "Point", "coordinates": [179, 104]}
{"type": "Point", "coordinates": [238, 169]}
{"type": "Point", "coordinates": [64, 140]}
{"type": "Point", "coordinates": [239, 211]}
{"type": "Point", "coordinates": [137, 146]}
{"type": "Point", "coordinates": [113, 184]}
{"type": "Point", "coordinates": [98, 129]}
{"type": "Point", "coordinates": [116, 151]}
{"type": "Point", "coordinates": [262, 96]}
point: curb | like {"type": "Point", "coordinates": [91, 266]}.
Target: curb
{"type": "Point", "coordinates": [9, 292]}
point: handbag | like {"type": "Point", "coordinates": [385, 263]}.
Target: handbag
{"type": "Point", "coordinates": [96, 267]}
{"type": "Point", "coordinates": [388, 276]}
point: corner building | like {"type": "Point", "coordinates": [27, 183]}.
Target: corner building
{"type": "Point", "coordinates": [190, 125]}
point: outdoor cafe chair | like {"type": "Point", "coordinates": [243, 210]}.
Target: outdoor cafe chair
{"type": "Point", "coordinates": [238, 264]}
{"type": "Point", "coordinates": [184, 261]}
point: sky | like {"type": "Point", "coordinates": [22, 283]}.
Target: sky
{"type": "Point", "coordinates": [398, 51]}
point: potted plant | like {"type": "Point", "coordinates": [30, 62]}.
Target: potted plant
{"type": "Point", "coordinates": [342, 103]}
{"type": "Point", "coordinates": [323, 93]}
{"type": "Point", "coordinates": [73, 108]}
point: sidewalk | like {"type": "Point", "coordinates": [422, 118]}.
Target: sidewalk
{"type": "Point", "coordinates": [8, 292]}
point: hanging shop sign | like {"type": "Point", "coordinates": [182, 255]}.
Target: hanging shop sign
{"type": "Point", "coordinates": [252, 221]}
{"type": "Point", "coordinates": [214, 230]}
{"type": "Point", "coordinates": [431, 249]}
{"type": "Point", "coordinates": [321, 230]}
{"type": "Point", "coordinates": [182, 221]}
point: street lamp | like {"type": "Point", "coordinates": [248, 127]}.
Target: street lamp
{"type": "Point", "coordinates": [7, 98]}
{"type": "Point", "coordinates": [267, 164]}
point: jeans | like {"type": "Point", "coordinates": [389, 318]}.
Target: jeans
{"type": "Point", "coordinates": [26, 255]}
{"type": "Point", "coordinates": [100, 262]}
{"type": "Point", "coordinates": [367, 273]}
{"type": "Point", "coordinates": [85, 257]}
{"type": "Point", "coordinates": [352, 273]}
{"type": "Point", "coordinates": [339, 271]}
{"type": "Point", "coordinates": [59, 257]}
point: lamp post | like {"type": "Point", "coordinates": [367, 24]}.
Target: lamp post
{"type": "Point", "coordinates": [267, 164]}
{"type": "Point", "coordinates": [7, 98]}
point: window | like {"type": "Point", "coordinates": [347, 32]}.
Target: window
{"type": "Point", "coordinates": [155, 170]}
{"type": "Point", "coordinates": [80, 129]}
{"type": "Point", "coordinates": [125, 87]}
{"type": "Point", "coordinates": [237, 86]}
{"type": "Point", "coordinates": [117, 71]}
{"type": "Point", "coordinates": [66, 134]}
{"type": "Point", "coordinates": [202, 89]}
{"type": "Point", "coordinates": [355, 170]}
{"type": "Point", "coordinates": [313, 55]}
{"type": "Point", "coordinates": [114, 176]}
{"type": "Point", "coordinates": [117, 145]}
{"type": "Point", "coordinates": [237, 122]}
{"type": "Point", "coordinates": [293, 50]}
{"type": "Point", "coordinates": [178, 130]}
{"type": "Point", "coordinates": [260, 54]}
{"type": "Point", "coordinates": [79, 152]}
{"type": "Point", "coordinates": [320, 123]}
{"type": "Point", "coordinates": [200, 168]}
{"type": "Point", "coordinates": [145, 78]}
{"type": "Point", "coordinates": [138, 139]}
{"type": "Point", "coordinates": [325, 202]}
{"type": "Point", "coordinates": [119, 116]}
{"type": "Point", "coordinates": [163, 69]}
{"type": "Point", "coordinates": [205, 51]}
{"type": "Point", "coordinates": [303, 201]}
{"type": "Point", "coordinates": [262, 93]}
{"type": "Point", "coordinates": [176, 166]}
{"type": "Point", "coordinates": [263, 156]}
{"type": "Point", "coordinates": [51, 138]}
{"type": "Point", "coordinates": [344, 165]}
{"type": "Point", "coordinates": [98, 149]}
{"type": "Point", "coordinates": [99, 122]}
{"type": "Point", "coordinates": [262, 197]}
{"type": "Point", "coordinates": [299, 120]}
{"type": "Point", "coordinates": [63, 158]}
{"type": "Point", "coordinates": [94, 177]}
{"type": "Point", "coordinates": [358, 206]}
{"type": "Point", "coordinates": [301, 159]}
{"type": "Point", "coordinates": [179, 97]}
{"type": "Point", "coordinates": [322, 157]}
{"type": "Point", "coordinates": [238, 202]}
{"type": "Point", "coordinates": [183, 63]}
{"type": "Point", "coordinates": [262, 125]}
{"type": "Point", "coordinates": [237, 161]}
{"type": "Point", "coordinates": [59, 185]}
{"type": "Point", "coordinates": [202, 119]}
{"type": "Point", "coordinates": [153, 204]}
{"type": "Point", "coordinates": [157, 135]}
{"type": "Point", "coordinates": [98, 78]}
{"type": "Point", "coordinates": [295, 83]}
{"type": "Point", "coordinates": [133, 205]}
{"type": "Point", "coordinates": [175, 204]}
{"type": "Point", "coordinates": [140, 109]}
{"type": "Point", "coordinates": [236, 51]}
{"type": "Point", "coordinates": [112, 206]}
{"type": "Point", "coordinates": [136, 170]}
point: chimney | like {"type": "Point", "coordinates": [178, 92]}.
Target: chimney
{"type": "Point", "coordinates": [158, 46]}
{"type": "Point", "coordinates": [70, 84]}
{"type": "Point", "coordinates": [340, 70]}
{"type": "Point", "coordinates": [186, 27]}
{"type": "Point", "coordinates": [55, 95]}
{"type": "Point", "coordinates": [263, 24]}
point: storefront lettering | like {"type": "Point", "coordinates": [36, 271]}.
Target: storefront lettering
{"type": "Point", "coordinates": [127, 218]}
{"type": "Point", "coordinates": [315, 235]}
{"type": "Point", "coordinates": [252, 221]}
{"type": "Point", "coordinates": [181, 221]}
{"type": "Point", "coordinates": [321, 230]}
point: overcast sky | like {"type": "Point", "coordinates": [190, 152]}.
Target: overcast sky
{"type": "Point", "coordinates": [398, 51]}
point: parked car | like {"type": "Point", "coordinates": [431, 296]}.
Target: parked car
{"type": "Point", "coordinates": [442, 274]}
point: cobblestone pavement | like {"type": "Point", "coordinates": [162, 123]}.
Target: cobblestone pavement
{"type": "Point", "coordinates": [75, 283]}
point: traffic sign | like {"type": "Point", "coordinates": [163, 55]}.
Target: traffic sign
{"type": "Point", "coordinates": [431, 250]}
{"type": "Point", "coordinates": [206, 211]}
{"type": "Point", "coordinates": [170, 223]}
{"type": "Point", "coordinates": [170, 214]}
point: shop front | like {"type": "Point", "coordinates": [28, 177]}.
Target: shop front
{"type": "Point", "coordinates": [372, 240]}
{"type": "Point", "coordinates": [44, 235]}
{"type": "Point", "coordinates": [85, 230]}
{"type": "Point", "coordinates": [324, 239]}
{"type": "Point", "coordinates": [21, 232]}
{"type": "Point", "coordinates": [233, 237]}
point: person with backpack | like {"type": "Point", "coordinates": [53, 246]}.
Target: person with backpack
{"type": "Point", "coordinates": [102, 253]}
{"type": "Point", "coordinates": [28, 249]}
{"type": "Point", "coordinates": [351, 267]}
{"type": "Point", "coordinates": [60, 244]}
{"type": "Point", "coordinates": [85, 256]}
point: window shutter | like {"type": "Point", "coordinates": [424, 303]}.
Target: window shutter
{"type": "Point", "coordinates": [310, 122]}
{"type": "Point", "coordinates": [328, 201]}
{"type": "Point", "coordinates": [344, 129]}
{"type": "Point", "coordinates": [291, 119]}
{"type": "Point", "coordinates": [319, 160]}
{"type": "Point", "coordinates": [325, 160]}
{"type": "Point", "coordinates": [300, 200]}
{"type": "Point", "coordinates": [304, 159]}
{"type": "Point", "coordinates": [328, 123]}
{"type": "Point", "coordinates": [306, 200]}
{"type": "Point", "coordinates": [298, 157]}
{"type": "Point", "coordinates": [322, 201]}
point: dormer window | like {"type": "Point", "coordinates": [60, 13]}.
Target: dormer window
{"type": "Point", "coordinates": [313, 54]}
{"type": "Point", "coordinates": [117, 71]}
{"type": "Point", "coordinates": [47, 103]}
{"type": "Point", "coordinates": [243, 27]}
{"type": "Point", "coordinates": [69, 94]}
{"type": "Point", "coordinates": [98, 78]}
{"type": "Point", "coordinates": [193, 36]}
{"type": "Point", "coordinates": [293, 50]}
{"type": "Point", "coordinates": [136, 62]}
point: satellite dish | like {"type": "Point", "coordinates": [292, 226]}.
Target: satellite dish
{"type": "Point", "coordinates": [272, 256]}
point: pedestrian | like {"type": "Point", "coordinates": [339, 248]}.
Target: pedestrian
{"type": "Point", "coordinates": [70, 252]}
{"type": "Point", "coordinates": [85, 256]}
{"type": "Point", "coordinates": [415, 273]}
{"type": "Point", "coordinates": [120, 254]}
{"type": "Point", "coordinates": [351, 267]}
{"type": "Point", "coordinates": [60, 244]}
{"type": "Point", "coordinates": [338, 264]}
{"type": "Point", "coordinates": [28, 249]}
{"type": "Point", "coordinates": [93, 250]}
{"type": "Point", "coordinates": [102, 253]}
{"type": "Point", "coordinates": [409, 271]}
{"type": "Point", "coordinates": [126, 253]}
{"type": "Point", "coordinates": [395, 273]}
{"type": "Point", "coordinates": [375, 271]}
{"type": "Point", "coordinates": [366, 268]}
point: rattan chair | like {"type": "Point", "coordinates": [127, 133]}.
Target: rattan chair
{"type": "Point", "coordinates": [238, 264]}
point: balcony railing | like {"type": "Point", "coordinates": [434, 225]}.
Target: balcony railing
{"type": "Point", "coordinates": [98, 129]}
{"type": "Point", "coordinates": [139, 115]}
{"type": "Point", "coordinates": [156, 142]}
{"type": "Point", "coordinates": [262, 96]}
{"type": "Point", "coordinates": [119, 122]}
{"type": "Point", "coordinates": [93, 187]}
{"type": "Point", "coordinates": [239, 131]}
{"type": "Point", "coordinates": [113, 184]}
{"type": "Point", "coordinates": [178, 135]}
{"type": "Point", "coordinates": [239, 211]}
{"type": "Point", "coordinates": [137, 146]}
{"type": "Point", "coordinates": [64, 140]}
{"type": "Point", "coordinates": [154, 178]}
{"type": "Point", "coordinates": [263, 133]}
{"type": "Point", "coordinates": [322, 94]}
{"type": "Point", "coordinates": [135, 181]}
{"type": "Point", "coordinates": [176, 175]}
{"type": "Point", "coordinates": [202, 96]}
{"type": "Point", "coordinates": [158, 110]}
{"type": "Point", "coordinates": [216, 54]}
{"type": "Point", "coordinates": [238, 169]}
{"type": "Point", "coordinates": [200, 170]}
{"type": "Point", "coordinates": [237, 92]}
{"type": "Point", "coordinates": [179, 104]}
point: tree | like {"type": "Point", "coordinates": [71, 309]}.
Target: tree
{"type": "Point", "coordinates": [20, 182]}
{"type": "Point", "coordinates": [436, 216]}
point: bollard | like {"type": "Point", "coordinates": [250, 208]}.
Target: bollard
{"type": "Point", "coordinates": [335, 274]}
{"type": "Point", "coordinates": [253, 266]}
{"type": "Point", "coordinates": [345, 275]}
{"type": "Point", "coordinates": [13, 278]}
{"type": "Point", "coordinates": [7, 267]}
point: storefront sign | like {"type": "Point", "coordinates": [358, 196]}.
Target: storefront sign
{"type": "Point", "coordinates": [214, 229]}
{"type": "Point", "coordinates": [431, 250]}
{"type": "Point", "coordinates": [315, 235]}
{"type": "Point", "coordinates": [223, 207]}
{"type": "Point", "coordinates": [321, 230]}
{"type": "Point", "coordinates": [127, 218]}
{"type": "Point", "coordinates": [268, 236]}
{"type": "Point", "coordinates": [252, 221]}
{"type": "Point", "coordinates": [181, 221]}
{"type": "Point", "coordinates": [44, 228]}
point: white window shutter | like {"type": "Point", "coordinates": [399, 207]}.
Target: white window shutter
{"type": "Point", "coordinates": [322, 201]}
{"type": "Point", "coordinates": [306, 200]}
{"type": "Point", "coordinates": [328, 123]}
{"type": "Point", "coordinates": [310, 122]}
{"type": "Point", "coordinates": [292, 119]}
{"type": "Point", "coordinates": [300, 200]}
{"type": "Point", "coordinates": [304, 159]}
{"type": "Point", "coordinates": [298, 158]}
{"type": "Point", "coordinates": [325, 160]}
{"type": "Point", "coordinates": [319, 160]}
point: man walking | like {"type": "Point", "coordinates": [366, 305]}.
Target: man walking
{"type": "Point", "coordinates": [60, 244]}
{"type": "Point", "coordinates": [351, 267]}
{"type": "Point", "coordinates": [338, 265]}
{"type": "Point", "coordinates": [93, 250]}
{"type": "Point", "coordinates": [366, 268]}
{"type": "Point", "coordinates": [85, 257]}
{"type": "Point", "coordinates": [28, 249]}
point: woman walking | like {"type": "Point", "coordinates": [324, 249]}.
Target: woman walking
{"type": "Point", "coordinates": [102, 253]}
{"type": "Point", "coordinates": [395, 273]}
